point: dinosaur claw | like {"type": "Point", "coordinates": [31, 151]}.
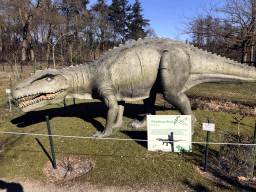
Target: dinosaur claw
{"type": "Point", "coordinates": [99, 134]}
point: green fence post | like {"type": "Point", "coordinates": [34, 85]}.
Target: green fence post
{"type": "Point", "coordinates": [51, 143]}
{"type": "Point", "coordinates": [207, 148]}
{"type": "Point", "coordinates": [254, 142]}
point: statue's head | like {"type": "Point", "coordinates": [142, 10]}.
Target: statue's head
{"type": "Point", "coordinates": [44, 87]}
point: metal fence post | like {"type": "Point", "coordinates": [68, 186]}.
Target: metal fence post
{"type": "Point", "coordinates": [207, 148]}
{"type": "Point", "coordinates": [51, 143]}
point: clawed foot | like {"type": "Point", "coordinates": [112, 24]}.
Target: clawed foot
{"type": "Point", "coordinates": [100, 134]}
{"type": "Point", "coordinates": [137, 124]}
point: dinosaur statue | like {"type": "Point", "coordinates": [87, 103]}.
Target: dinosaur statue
{"type": "Point", "coordinates": [134, 71]}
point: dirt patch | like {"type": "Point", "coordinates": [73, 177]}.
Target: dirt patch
{"type": "Point", "coordinates": [68, 168]}
{"type": "Point", "coordinates": [217, 105]}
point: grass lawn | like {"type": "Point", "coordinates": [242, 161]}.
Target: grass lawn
{"type": "Point", "coordinates": [117, 162]}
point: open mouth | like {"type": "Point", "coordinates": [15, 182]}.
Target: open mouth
{"type": "Point", "coordinates": [32, 99]}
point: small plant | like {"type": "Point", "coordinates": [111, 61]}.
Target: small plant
{"type": "Point", "coordinates": [77, 59]}
{"type": "Point", "coordinates": [238, 119]}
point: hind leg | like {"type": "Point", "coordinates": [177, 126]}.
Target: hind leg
{"type": "Point", "coordinates": [149, 105]}
{"type": "Point", "coordinates": [181, 103]}
{"type": "Point", "coordinates": [174, 71]}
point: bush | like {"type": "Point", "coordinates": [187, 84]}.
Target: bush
{"type": "Point", "coordinates": [77, 59]}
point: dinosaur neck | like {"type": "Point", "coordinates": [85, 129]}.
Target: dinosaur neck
{"type": "Point", "coordinates": [79, 78]}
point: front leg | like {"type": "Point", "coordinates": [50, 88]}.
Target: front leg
{"type": "Point", "coordinates": [119, 118]}
{"type": "Point", "coordinates": [112, 113]}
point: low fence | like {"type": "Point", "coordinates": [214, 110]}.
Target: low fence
{"type": "Point", "coordinates": [247, 158]}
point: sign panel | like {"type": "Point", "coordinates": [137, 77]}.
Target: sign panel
{"type": "Point", "coordinates": [208, 127]}
{"type": "Point", "coordinates": [169, 133]}
{"type": "Point", "coordinates": [8, 91]}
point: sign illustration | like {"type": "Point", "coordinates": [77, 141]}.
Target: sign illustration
{"type": "Point", "coordinates": [169, 133]}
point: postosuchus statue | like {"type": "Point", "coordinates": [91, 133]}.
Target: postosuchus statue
{"type": "Point", "coordinates": [134, 71]}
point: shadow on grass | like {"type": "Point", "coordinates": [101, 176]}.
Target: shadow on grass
{"type": "Point", "coordinates": [198, 159]}
{"type": "Point", "coordinates": [142, 135]}
{"type": "Point", "coordinates": [46, 153]}
{"type": "Point", "coordinates": [196, 187]}
{"type": "Point", "coordinates": [11, 187]}
{"type": "Point", "coordinates": [85, 111]}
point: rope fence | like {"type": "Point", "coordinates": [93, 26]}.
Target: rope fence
{"type": "Point", "coordinates": [80, 137]}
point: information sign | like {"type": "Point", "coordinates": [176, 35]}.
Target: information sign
{"type": "Point", "coordinates": [169, 133]}
{"type": "Point", "coordinates": [208, 127]}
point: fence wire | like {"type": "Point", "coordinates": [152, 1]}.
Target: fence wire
{"type": "Point", "coordinates": [81, 137]}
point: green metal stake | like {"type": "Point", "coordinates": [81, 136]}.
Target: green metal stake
{"type": "Point", "coordinates": [64, 101]}
{"type": "Point", "coordinates": [74, 101]}
{"type": "Point", "coordinates": [51, 143]}
{"type": "Point", "coordinates": [207, 148]}
{"type": "Point", "coordinates": [253, 162]}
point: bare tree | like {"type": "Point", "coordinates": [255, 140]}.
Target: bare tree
{"type": "Point", "coordinates": [150, 32]}
{"type": "Point", "coordinates": [242, 13]}
{"type": "Point", "coordinates": [236, 28]}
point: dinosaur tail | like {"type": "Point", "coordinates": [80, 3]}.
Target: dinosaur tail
{"type": "Point", "coordinates": [207, 67]}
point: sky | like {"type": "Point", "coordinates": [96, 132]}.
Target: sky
{"type": "Point", "coordinates": [167, 17]}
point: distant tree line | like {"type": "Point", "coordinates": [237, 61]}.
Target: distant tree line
{"type": "Point", "coordinates": [232, 35]}
{"type": "Point", "coordinates": [67, 30]}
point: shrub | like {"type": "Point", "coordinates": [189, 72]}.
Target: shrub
{"type": "Point", "coordinates": [77, 59]}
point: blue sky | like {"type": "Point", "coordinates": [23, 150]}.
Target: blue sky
{"type": "Point", "coordinates": [167, 16]}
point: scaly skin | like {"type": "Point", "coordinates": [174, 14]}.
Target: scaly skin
{"type": "Point", "coordinates": [134, 71]}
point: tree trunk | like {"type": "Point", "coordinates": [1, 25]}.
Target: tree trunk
{"type": "Point", "coordinates": [71, 52]}
{"type": "Point", "coordinates": [48, 51]}
{"type": "Point", "coordinates": [24, 50]}
{"type": "Point", "coordinates": [1, 44]}
{"type": "Point", "coordinates": [26, 27]}
{"type": "Point", "coordinates": [244, 52]}
{"type": "Point", "coordinates": [102, 43]}
{"type": "Point", "coordinates": [252, 54]}
{"type": "Point", "coordinates": [253, 32]}
{"type": "Point", "coordinates": [32, 55]}
{"type": "Point", "coordinates": [61, 51]}
{"type": "Point", "coordinates": [43, 53]}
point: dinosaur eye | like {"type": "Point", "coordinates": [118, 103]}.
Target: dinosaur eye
{"type": "Point", "coordinates": [49, 79]}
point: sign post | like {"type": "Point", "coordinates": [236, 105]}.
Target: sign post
{"type": "Point", "coordinates": [9, 96]}
{"type": "Point", "coordinates": [207, 127]}
{"type": "Point", "coordinates": [169, 133]}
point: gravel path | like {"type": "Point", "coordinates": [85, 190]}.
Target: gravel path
{"type": "Point", "coordinates": [33, 186]}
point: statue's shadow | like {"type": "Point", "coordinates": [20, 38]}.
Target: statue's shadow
{"type": "Point", "coordinates": [88, 112]}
